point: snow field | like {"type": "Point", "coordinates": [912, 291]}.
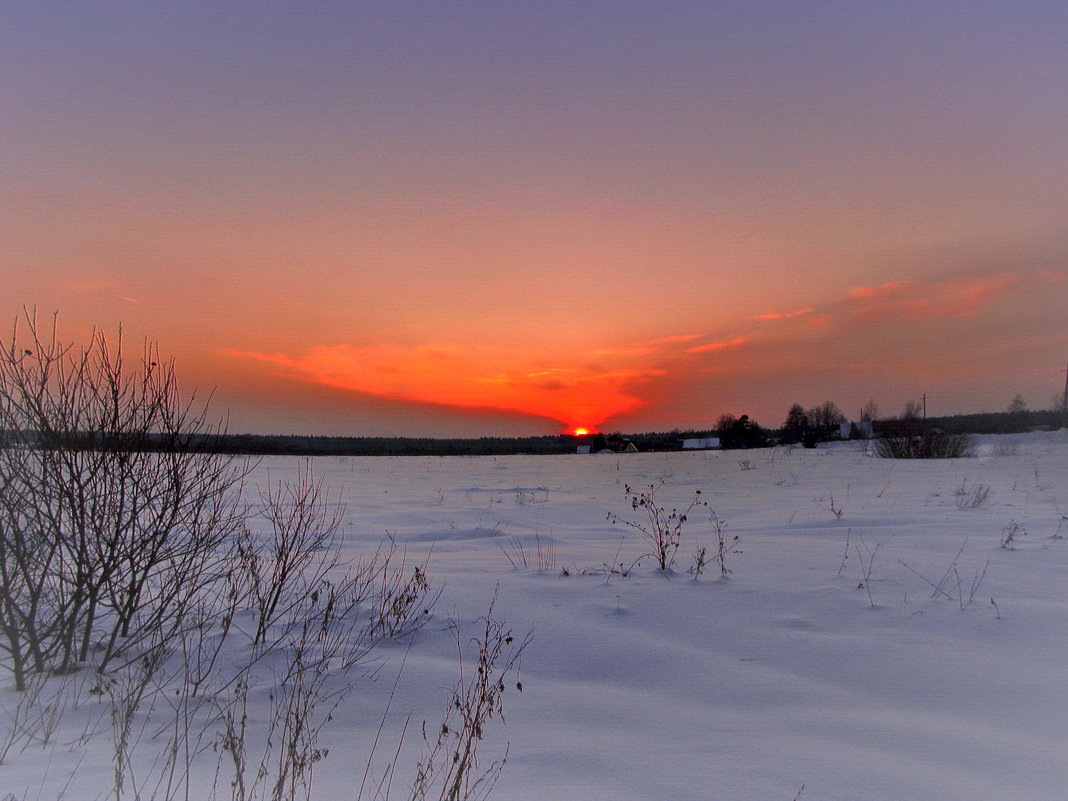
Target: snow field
{"type": "Point", "coordinates": [827, 659]}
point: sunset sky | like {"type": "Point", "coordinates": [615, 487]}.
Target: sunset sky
{"type": "Point", "coordinates": [463, 219]}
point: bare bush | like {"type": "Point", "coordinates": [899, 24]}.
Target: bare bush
{"type": "Point", "coordinates": [451, 769]}
{"type": "Point", "coordinates": [726, 545]}
{"type": "Point", "coordinates": [662, 529]}
{"type": "Point", "coordinates": [301, 551]}
{"type": "Point", "coordinates": [35, 716]}
{"type": "Point", "coordinates": [399, 606]}
{"type": "Point", "coordinates": [827, 504]}
{"type": "Point", "coordinates": [700, 562]}
{"type": "Point", "coordinates": [1011, 534]}
{"type": "Point", "coordinates": [111, 524]}
{"type": "Point", "coordinates": [300, 702]}
{"type": "Point", "coordinates": [128, 689]}
{"type": "Point", "coordinates": [973, 498]}
{"type": "Point", "coordinates": [199, 699]}
{"type": "Point", "coordinates": [921, 443]}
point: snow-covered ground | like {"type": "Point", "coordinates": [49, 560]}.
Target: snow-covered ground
{"type": "Point", "coordinates": [827, 659]}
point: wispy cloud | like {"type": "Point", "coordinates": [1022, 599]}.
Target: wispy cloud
{"type": "Point", "coordinates": [954, 296]}
{"type": "Point", "coordinates": [772, 315]}
{"type": "Point", "coordinates": [712, 346]}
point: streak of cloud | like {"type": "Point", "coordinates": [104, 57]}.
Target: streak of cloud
{"type": "Point", "coordinates": [713, 346]}
{"type": "Point", "coordinates": [955, 296]}
{"type": "Point", "coordinates": [782, 315]}
{"type": "Point", "coordinates": [443, 374]}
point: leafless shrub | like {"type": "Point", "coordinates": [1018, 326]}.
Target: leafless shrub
{"type": "Point", "coordinates": [199, 700]}
{"type": "Point", "coordinates": [918, 442]}
{"type": "Point", "coordinates": [726, 545]}
{"type": "Point", "coordinates": [111, 523]}
{"type": "Point", "coordinates": [1011, 534]}
{"type": "Point", "coordinates": [827, 504]}
{"type": "Point", "coordinates": [451, 769]}
{"type": "Point", "coordinates": [301, 551]}
{"type": "Point", "coordinates": [401, 606]}
{"type": "Point", "coordinates": [972, 498]}
{"type": "Point", "coordinates": [128, 689]}
{"type": "Point", "coordinates": [662, 529]}
{"type": "Point", "coordinates": [974, 583]}
{"type": "Point", "coordinates": [359, 606]}
{"type": "Point", "coordinates": [34, 715]}
{"type": "Point", "coordinates": [300, 703]}
{"type": "Point", "coordinates": [700, 562]}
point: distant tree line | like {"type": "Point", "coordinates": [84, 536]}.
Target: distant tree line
{"type": "Point", "coordinates": [809, 427]}
{"type": "Point", "coordinates": [998, 422]}
{"type": "Point", "coordinates": [305, 445]}
{"type": "Point", "coordinates": [823, 423]}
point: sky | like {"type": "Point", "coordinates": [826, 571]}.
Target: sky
{"type": "Point", "coordinates": [500, 219]}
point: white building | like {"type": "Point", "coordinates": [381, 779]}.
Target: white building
{"type": "Point", "coordinates": [700, 443]}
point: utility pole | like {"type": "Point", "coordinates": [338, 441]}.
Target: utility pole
{"type": "Point", "coordinates": [924, 396]}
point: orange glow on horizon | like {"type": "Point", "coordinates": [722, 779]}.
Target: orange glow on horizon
{"type": "Point", "coordinates": [581, 396]}
{"type": "Point", "coordinates": [675, 380]}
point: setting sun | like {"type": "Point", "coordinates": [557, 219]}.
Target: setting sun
{"type": "Point", "coordinates": [580, 432]}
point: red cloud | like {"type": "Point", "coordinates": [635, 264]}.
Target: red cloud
{"type": "Point", "coordinates": [576, 395]}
